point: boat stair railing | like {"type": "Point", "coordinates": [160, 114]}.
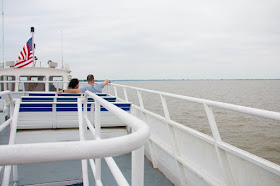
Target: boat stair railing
{"type": "Point", "coordinates": [210, 159]}
{"type": "Point", "coordinates": [84, 150]}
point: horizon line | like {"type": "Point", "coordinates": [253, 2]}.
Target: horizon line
{"type": "Point", "coordinates": [185, 79]}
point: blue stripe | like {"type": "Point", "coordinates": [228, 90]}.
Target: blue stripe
{"type": "Point", "coordinates": [66, 109]}
{"type": "Point", "coordinates": [125, 109]}
{"type": "Point", "coordinates": [35, 105]}
{"type": "Point", "coordinates": [66, 99]}
{"type": "Point", "coordinates": [66, 105]}
{"type": "Point", "coordinates": [122, 105]}
{"type": "Point", "coordinates": [35, 109]}
{"type": "Point", "coordinates": [100, 94]}
{"type": "Point", "coordinates": [69, 94]}
{"type": "Point", "coordinates": [33, 94]}
{"type": "Point", "coordinates": [37, 99]}
{"type": "Point", "coordinates": [108, 99]}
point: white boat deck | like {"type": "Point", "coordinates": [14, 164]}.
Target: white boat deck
{"type": "Point", "coordinates": [70, 172]}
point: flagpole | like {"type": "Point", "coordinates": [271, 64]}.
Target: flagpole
{"type": "Point", "coordinates": [33, 47]}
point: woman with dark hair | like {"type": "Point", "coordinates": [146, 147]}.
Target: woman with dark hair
{"type": "Point", "coordinates": [73, 84]}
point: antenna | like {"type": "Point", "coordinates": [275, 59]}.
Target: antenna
{"type": "Point", "coordinates": [61, 50]}
{"type": "Point", "coordinates": [3, 58]}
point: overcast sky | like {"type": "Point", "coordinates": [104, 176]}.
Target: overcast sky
{"type": "Point", "coordinates": [150, 39]}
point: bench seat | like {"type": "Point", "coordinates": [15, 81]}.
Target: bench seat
{"type": "Point", "coordinates": [44, 113]}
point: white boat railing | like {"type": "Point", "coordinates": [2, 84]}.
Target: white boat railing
{"type": "Point", "coordinates": [215, 146]}
{"type": "Point", "coordinates": [12, 119]}
{"type": "Point", "coordinates": [131, 121]}
{"type": "Point", "coordinates": [13, 85]}
{"type": "Point", "coordinates": [11, 103]}
{"type": "Point", "coordinates": [14, 154]}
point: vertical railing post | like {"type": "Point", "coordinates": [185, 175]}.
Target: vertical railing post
{"type": "Point", "coordinates": [7, 171]}
{"type": "Point", "coordinates": [140, 99]}
{"type": "Point", "coordinates": [54, 113]}
{"type": "Point", "coordinates": [116, 91]}
{"type": "Point", "coordinates": [97, 134]}
{"type": "Point", "coordinates": [220, 153]}
{"type": "Point", "coordinates": [23, 87]}
{"type": "Point", "coordinates": [125, 94]}
{"type": "Point", "coordinates": [82, 131]}
{"type": "Point", "coordinates": [138, 167]}
{"type": "Point", "coordinates": [176, 153]}
{"type": "Point", "coordinates": [5, 82]}
{"type": "Point", "coordinates": [15, 173]}
{"type": "Point", "coordinates": [212, 122]}
{"type": "Point", "coordinates": [109, 88]}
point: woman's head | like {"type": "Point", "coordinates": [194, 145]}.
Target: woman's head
{"type": "Point", "coordinates": [73, 84]}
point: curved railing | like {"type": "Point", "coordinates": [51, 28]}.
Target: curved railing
{"type": "Point", "coordinates": [61, 151]}
{"type": "Point", "coordinates": [11, 121]}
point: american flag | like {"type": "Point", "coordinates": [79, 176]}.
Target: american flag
{"type": "Point", "coordinates": [26, 55]}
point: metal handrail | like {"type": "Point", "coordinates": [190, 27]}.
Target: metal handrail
{"type": "Point", "coordinates": [215, 140]}
{"type": "Point", "coordinates": [137, 155]}
{"type": "Point", "coordinates": [11, 102]}
{"type": "Point", "coordinates": [13, 120]}
{"type": "Point", "coordinates": [78, 150]}
{"type": "Point", "coordinates": [242, 109]}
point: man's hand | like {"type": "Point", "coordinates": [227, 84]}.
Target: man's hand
{"type": "Point", "coordinates": [106, 82]}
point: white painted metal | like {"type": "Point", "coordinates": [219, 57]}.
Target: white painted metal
{"type": "Point", "coordinates": [7, 171]}
{"type": "Point", "coordinates": [5, 124]}
{"type": "Point", "coordinates": [205, 160]}
{"type": "Point", "coordinates": [82, 138]}
{"type": "Point", "coordinates": [54, 120]}
{"type": "Point", "coordinates": [34, 71]}
{"type": "Point", "coordinates": [116, 91]}
{"type": "Point", "coordinates": [220, 153]}
{"type": "Point", "coordinates": [138, 167]}
{"type": "Point", "coordinates": [120, 179]}
{"type": "Point", "coordinates": [15, 173]}
{"type": "Point", "coordinates": [137, 155]}
{"type": "Point", "coordinates": [97, 136]}
{"type": "Point", "coordinates": [93, 168]}
{"type": "Point", "coordinates": [61, 151]}
{"type": "Point", "coordinates": [125, 94]}
{"type": "Point", "coordinates": [175, 148]}
{"type": "Point", "coordinates": [140, 99]}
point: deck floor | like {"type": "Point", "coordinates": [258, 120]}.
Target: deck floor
{"type": "Point", "coordinates": [58, 173]}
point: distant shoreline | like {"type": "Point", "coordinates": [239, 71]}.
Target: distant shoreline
{"type": "Point", "coordinates": [185, 79]}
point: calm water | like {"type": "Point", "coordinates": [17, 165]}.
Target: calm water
{"type": "Point", "coordinates": [253, 134]}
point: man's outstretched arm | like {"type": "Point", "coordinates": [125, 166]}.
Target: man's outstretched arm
{"type": "Point", "coordinates": [69, 91]}
{"type": "Point", "coordinates": [106, 82]}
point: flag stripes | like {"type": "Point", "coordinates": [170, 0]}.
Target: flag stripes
{"type": "Point", "coordinates": [26, 55]}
